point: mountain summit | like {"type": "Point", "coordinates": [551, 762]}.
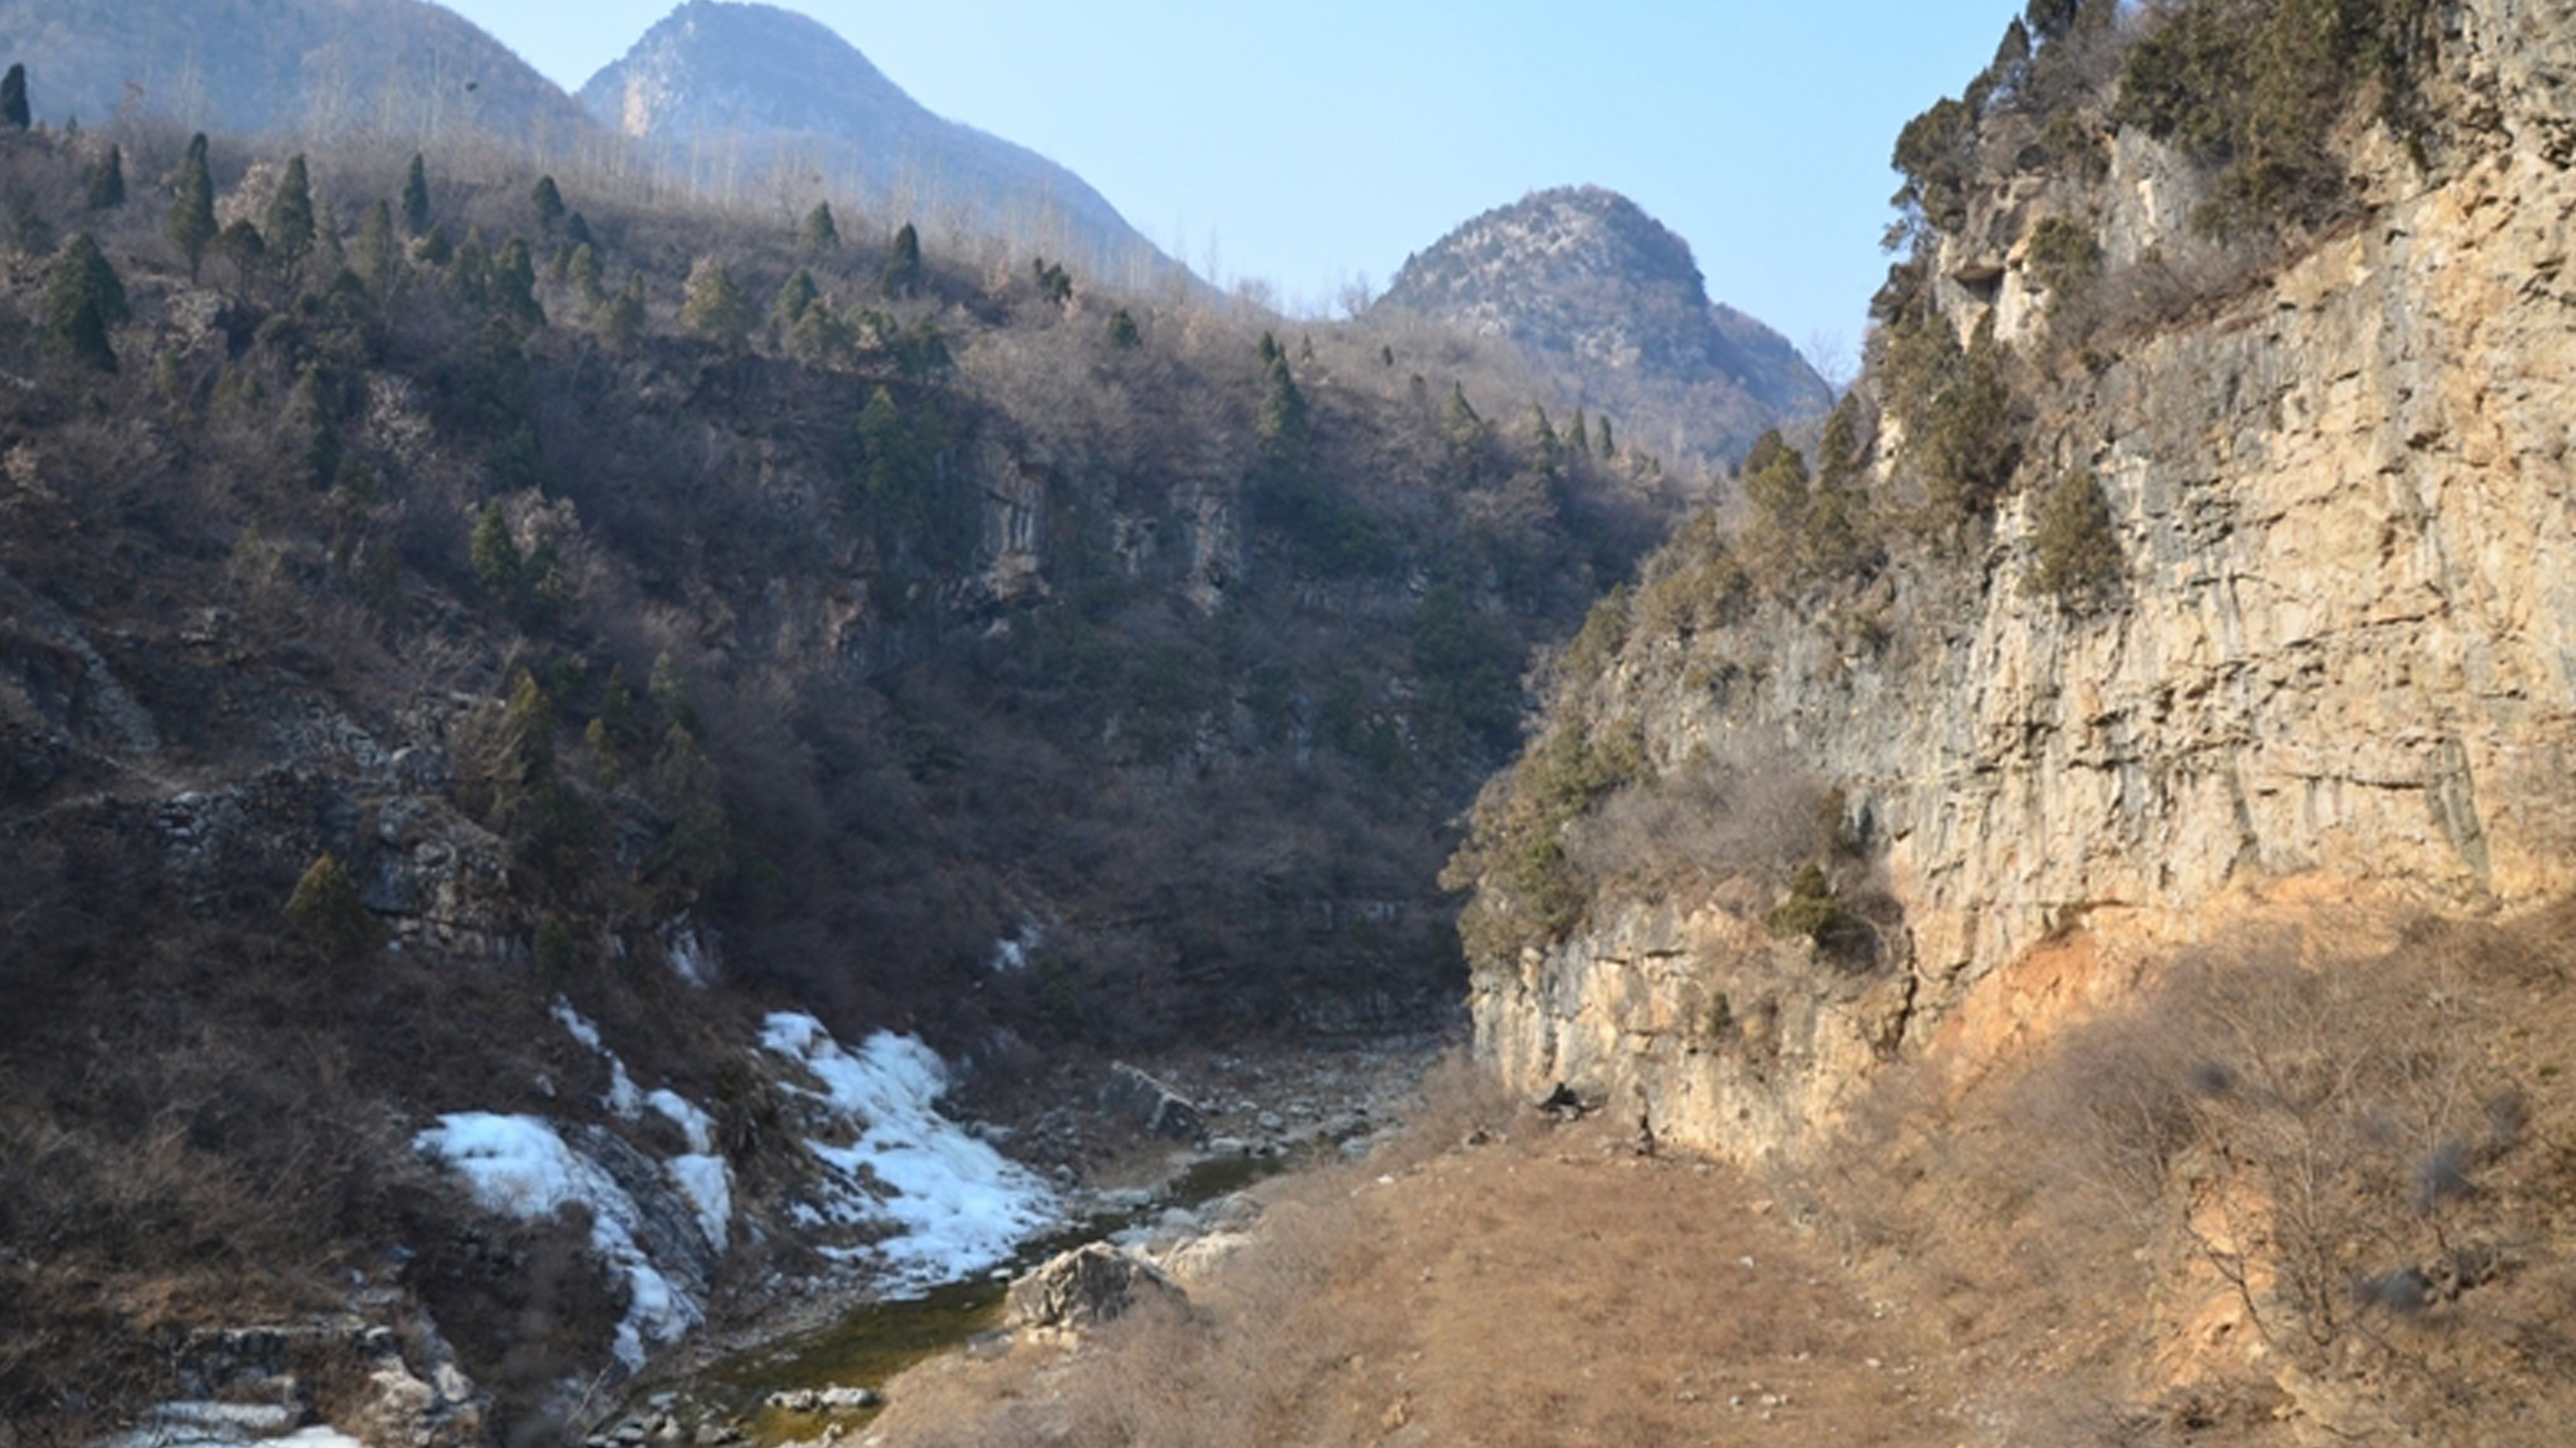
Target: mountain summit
{"type": "Point", "coordinates": [744, 96]}
{"type": "Point", "coordinates": [1608, 299]}
{"type": "Point", "coordinates": [402, 68]}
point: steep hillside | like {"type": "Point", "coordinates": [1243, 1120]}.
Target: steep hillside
{"type": "Point", "coordinates": [735, 94]}
{"type": "Point", "coordinates": [403, 68]}
{"type": "Point", "coordinates": [1612, 307]}
{"type": "Point", "coordinates": [2193, 552]}
{"type": "Point", "coordinates": [467, 697]}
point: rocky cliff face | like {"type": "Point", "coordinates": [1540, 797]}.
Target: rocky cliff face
{"type": "Point", "coordinates": [733, 94]}
{"type": "Point", "coordinates": [2342, 646]}
{"type": "Point", "coordinates": [1605, 298]}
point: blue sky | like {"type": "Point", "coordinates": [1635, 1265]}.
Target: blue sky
{"type": "Point", "coordinates": [1317, 142]}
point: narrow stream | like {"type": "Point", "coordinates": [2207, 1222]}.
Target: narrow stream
{"type": "Point", "coordinates": [875, 1341]}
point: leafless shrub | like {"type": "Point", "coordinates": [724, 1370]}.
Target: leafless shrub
{"type": "Point", "coordinates": [1709, 820]}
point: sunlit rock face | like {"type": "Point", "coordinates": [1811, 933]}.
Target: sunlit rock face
{"type": "Point", "coordinates": [2342, 658]}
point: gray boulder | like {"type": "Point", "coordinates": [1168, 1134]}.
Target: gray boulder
{"type": "Point", "coordinates": [1091, 1284]}
{"type": "Point", "coordinates": [1150, 1104]}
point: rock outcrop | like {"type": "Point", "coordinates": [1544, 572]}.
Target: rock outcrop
{"type": "Point", "coordinates": [2343, 644]}
{"type": "Point", "coordinates": [1085, 1287]}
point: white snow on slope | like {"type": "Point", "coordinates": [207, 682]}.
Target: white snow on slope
{"type": "Point", "coordinates": [622, 1096]}
{"type": "Point", "coordinates": [518, 1166]}
{"type": "Point", "coordinates": [708, 1184]}
{"type": "Point", "coordinates": [703, 1176]}
{"type": "Point", "coordinates": [699, 1127]}
{"type": "Point", "coordinates": [958, 1205]}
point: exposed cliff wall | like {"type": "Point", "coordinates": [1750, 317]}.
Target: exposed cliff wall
{"type": "Point", "coordinates": [2341, 641]}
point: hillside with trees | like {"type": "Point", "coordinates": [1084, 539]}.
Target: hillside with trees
{"type": "Point", "coordinates": [434, 600]}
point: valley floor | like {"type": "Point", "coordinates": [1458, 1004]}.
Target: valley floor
{"type": "Point", "coordinates": [1516, 1281]}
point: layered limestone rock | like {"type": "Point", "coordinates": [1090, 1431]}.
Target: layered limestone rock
{"type": "Point", "coordinates": [2343, 647]}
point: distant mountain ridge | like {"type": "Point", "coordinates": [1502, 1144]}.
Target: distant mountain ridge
{"type": "Point", "coordinates": [1611, 302]}
{"type": "Point", "coordinates": [746, 95]}
{"type": "Point", "coordinates": [394, 67]}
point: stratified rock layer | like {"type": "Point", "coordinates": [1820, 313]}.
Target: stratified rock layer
{"type": "Point", "coordinates": [2345, 647]}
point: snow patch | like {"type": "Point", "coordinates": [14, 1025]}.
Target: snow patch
{"type": "Point", "coordinates": [957, 1205]}
{"type": "Point", "coordinates": [707, 1182]}
{"type": "Point", "coordinates": [690, 959]}
{"type": "Point", "coordinates": [699, 1127]}
{"type": "Point", "coordinates": [518, 1166]}
{"type": "Point", "coordinates": [622, 1096]}
{"type": "Point", "coordinates": [1012, 953]}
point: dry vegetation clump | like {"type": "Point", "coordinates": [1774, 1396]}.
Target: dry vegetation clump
{"type": "Point", "coordinates": [2336, 1186]}
{"type": "Point", "coordinates": [1493, 1278]}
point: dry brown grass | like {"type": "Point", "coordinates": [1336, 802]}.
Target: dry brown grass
{"type": "Point", "coordinates": [1545, 1287]}
{"type": "Point", "coordinates": [2284, 1191]}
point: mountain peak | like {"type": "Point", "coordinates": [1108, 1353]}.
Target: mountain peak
{"type": "Point", "coordinates": [1611, 300]}
{"type": "Point", "coordinates": [752, 92]}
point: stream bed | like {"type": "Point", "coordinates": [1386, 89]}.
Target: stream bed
{"type": "Point", "coordinates": [871, 1343]}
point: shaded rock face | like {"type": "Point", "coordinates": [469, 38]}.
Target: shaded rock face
{"type": "Point", "coordinates": [400, 68]}
{"type": "Point", "coordinates": [1602, 295]}
{"type": "Point", "coordinates": [2344, 648]}
{"type": "Point", "coordinates": [729, 91]}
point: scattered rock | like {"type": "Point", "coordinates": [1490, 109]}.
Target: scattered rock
{"type": "Point", "coordinates": [826, 1400]}
{"type": "Point", "coordinates": [1562, 1103]}
{"type": "Point", "coordinates": [1091, 1284]}
{"type": "Point", "coordinates": [1232, 1212]}
{"type": "Point", "coordinates": [1151, 1104]}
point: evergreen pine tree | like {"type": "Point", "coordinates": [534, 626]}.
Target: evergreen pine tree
{"type": "Point", "coordinates": [415, 197]}
{"type": "Point", "coordinates": [902, 275]}
{"type": "Point", "coordinates": [83, 299]}
{"type": "Point", "coordinates": [513, 285]}
{"type": "Point", "coordinates": [583, 272]}
{"type": "Point", "coordinates": [547, 198]}
{"type": "Point", "coordinates": [290, 229]}
{"type": "Point", "coordinates": [326, 907]}
{"type": "Point", "coordinates": [435, 248]}
{"type": "Point", "coordinates": [191, 224]}
{"type": "Point", "coordinates": [13, 98]}
{"type": "Point", "coordinates": [818, 338]}
{"type": "Point", "coordinates": [820, 235]}
{"type": "Point", "coordinates": [1608, 448]}
{"type": "Point", "coordinates": [1122, 330]}
{"type": "Point", "coordinates": [1460, 427]}
{"type": "Point", "coordinates": [883, 478]}
{"type": "Point", "coordinates": [1281, 422]}
{"type": "Point", "coordinates": [107, 181]}
{"type": "Point", "coordinates": [577, 231]}
{"type": "Point", "coordinates": [1544, 439]}
{"type": "Point", "coordinates": [495, 554]}
{"type": "Point", "coordinates": [795, 295]}
{"type": "Point", "coordinates": [29, 232]}
{"type": "Point", "coordinates": [1580, 435]}
{"type": "Point", "coordinates": [470, 271]}
{"type": "Point", "coordinates": [714, 308]}
{"type": "Point", "coordinates": [621, 322]}
{"type": "Point", "coordinates": [375, 254]}
{"type": "Point", "coordinates": [246, 249]}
